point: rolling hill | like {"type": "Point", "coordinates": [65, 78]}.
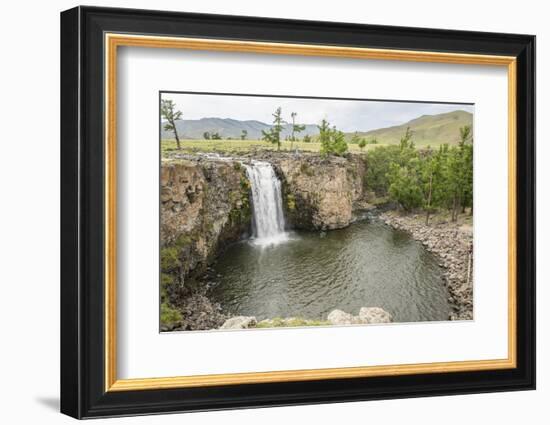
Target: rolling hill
{"type": "Point", "coordinates": [228, 128]}
{"type": "Point", "coordinates": [427, 129]}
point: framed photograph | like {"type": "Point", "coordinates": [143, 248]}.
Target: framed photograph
{"type": "Point", "coordinates": [261, 212]}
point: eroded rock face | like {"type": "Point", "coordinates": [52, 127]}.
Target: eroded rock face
{"type": "Point", "coordinates": [320, 193]}
{"type": "Point", "coordinates": [204, 205]}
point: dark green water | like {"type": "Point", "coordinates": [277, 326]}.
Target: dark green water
{"type": "Point", "coordinates": [366, 264]}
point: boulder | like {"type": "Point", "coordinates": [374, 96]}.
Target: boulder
{"type": "Point", "coordinates": [367, 315]}
{"type": "Point", "coordinates": [370, 315]}
{"type": "Point", "coordinates": [339, 317]}
{"type": "Point", "coordinates": [239, 322]}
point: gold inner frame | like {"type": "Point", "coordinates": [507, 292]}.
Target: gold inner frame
{"type": "Point", "coordinates": [113, 41]}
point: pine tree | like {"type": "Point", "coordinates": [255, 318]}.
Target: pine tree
{"type": "Point", "coordinates": [432, 179]}
{"type": "Point", "coordinates": [406, 141]}
{"type": "Point", "coordinates": [467, 164]}
{"type": "Point", "coordinates": [273, 135]}
{"type": "Point", "coordinates": [296, 128]}
{"type": "Point", "coordinates": [405, 185]}
{"type": "Point", "coordinates": [332, 141]}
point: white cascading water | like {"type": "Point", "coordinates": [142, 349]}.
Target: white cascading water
{"type": "Point", "coordinates": [267, 204]}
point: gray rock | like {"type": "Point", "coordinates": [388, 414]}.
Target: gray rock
{"type": "Point", "coordinates": [339, 317]}
{"type": "Point", "coordinates": [367, 315]}
{"type": "Point", "coordinates": [239, 322]}
{"type": "Point", "coordinates": [370, 315]}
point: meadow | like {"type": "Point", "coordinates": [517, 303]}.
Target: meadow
{"type": "Point", "coordinates": [226, 145]}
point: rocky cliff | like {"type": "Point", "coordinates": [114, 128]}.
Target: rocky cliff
{"type": "Point", "coordinates": [204, 206]}
{"type": "Point", "coordinates": [320, 193]}
{"type": "Point", "coordinates": [205, 201]}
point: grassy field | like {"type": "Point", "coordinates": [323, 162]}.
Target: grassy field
{"type": "Point", "coordinates": [192, 146]}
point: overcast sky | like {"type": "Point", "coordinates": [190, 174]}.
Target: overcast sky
{"type": "Point", "coordinates": [346, 115]}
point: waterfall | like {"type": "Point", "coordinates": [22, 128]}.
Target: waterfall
{"type": "Point", "coordinates": [267, 204]}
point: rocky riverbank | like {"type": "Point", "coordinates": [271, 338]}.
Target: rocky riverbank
{"type": "Point", "coordinates": [366, 316]}
{"type": "Point", "coordinates": [453, 244]}
{"type": "Point", "coordinates": [197, 312]}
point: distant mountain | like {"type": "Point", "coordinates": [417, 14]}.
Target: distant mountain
{"type": "Point", "coordinates": [427, 129]}
{"type": "Point", "coordinates": [229, 128]}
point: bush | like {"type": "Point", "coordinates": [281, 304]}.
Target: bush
{"type": "Point", "coordinates": [306, 169]}
{"type": "Point", "coordinates": [169, 316]}
{"type": "Point", "coordinates": [291, 202]}
{"type": "Point", "coordinates": [169, 259]}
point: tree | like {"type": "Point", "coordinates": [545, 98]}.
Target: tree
{"type": "Point", "coordinates": [458, 174]}
{"type": "Point", "coordinates": [405, 185]}
{"type": "Point", "coordinates": [428, 175]}
{"type": "Point", "coordinates": [296, 128]}
{"type": "Point", "coordinates": [307, 138]}
{"type": "Point", "coordinates": [423, 178]}
{"type": "Point", "coordinates": [467, 163]}
{"type": "Point", "coordinates": [359, 141]}
{"type": "Point", "coordinates": [206, 135]}
{"type": "Point", "coordinates": [380, 159]}
{"type": "Point", "coordinates": [468, 189]}
{"type": "Point", "coordinates": [273, 135]}
{"type": "Point", "coordinates": [465, 134]}
{"type": "Point", "coordinates": [332, 141]}
{"type": "Point", "coordinates": [378, 164]}
{"type": "Point", "coordinates": [244, 135]}
{"type": "Point", "coordinates": [454, 180]}
{"type": "Point", "coordinates": [432, 181]}
{"type": "Point", "coordinates": [398, 172]}
{"type": "Point", "coordinates": [406, 141]}
{"type": "Point", "coordinates": [171, 115]}
{"type": "Point", "coordinates": [355, 139]}
{"type": "Point", "coordinates": [215, 136]}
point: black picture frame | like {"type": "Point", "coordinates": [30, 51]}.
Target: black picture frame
{"type": "Point", "coordinates": [83, 392]}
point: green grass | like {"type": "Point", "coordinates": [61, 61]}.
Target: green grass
{"type": "Point", "coordinates": [428, 130]}
{"type": "Point", "coordinates": [235, 146]}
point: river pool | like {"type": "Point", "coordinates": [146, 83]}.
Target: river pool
{"type": "Point", "coordinates": [367, 264]}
